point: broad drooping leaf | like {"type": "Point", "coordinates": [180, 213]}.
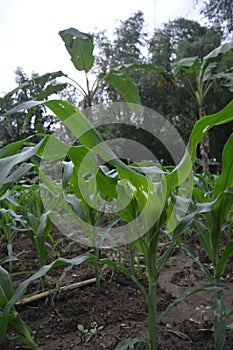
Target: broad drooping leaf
{"type": "Point", "coordinates": [220, 50]}
{"type": "Point", "coordinates": [80, 47]}
{"type": "Point", "coordinates": [123, 84]}
{"type": "Point", "coordinates": [187, 65]}
{"type": "Point", "coordinates": [204, 69]}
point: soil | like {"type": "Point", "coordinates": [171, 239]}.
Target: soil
{"type": "Point", "coordinates": [117, 306]}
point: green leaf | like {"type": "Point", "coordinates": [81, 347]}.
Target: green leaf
{"type": "Point", "coordinates": [67, 172]}
{"type": "Point", "coordinates": [225, 180]}
{"type": "Point", "coordinates": [80, 47]}
{"type": "Point", "coordinates": [75, 202]}
{"type": "Point", "coordinates": [6, 290]}
{"type": "Point", "coordinates": [49, 90]}
{"type": "Point", "coordinates": [124, 85]}
{"type": "Point", "coordinates": [211, 287]}
{"type": "Point", "coordinates": [187, 65]}
{"type": "Point", "coordinates": [222, 49]}
{"type": "Point", "coordinates": [41, 80]}
{"type": "Point", "coordinates": [7, 163]}
{"type": "Point", "coordinates": [23, 286]}
{"type": "Point", "coordinates": [24, 106]}
{"type": "Point", "coordinates": [202, 126]}
{"type": "Point", "coordinates": [226, 79]}
{"type": "Point", "coordinates": [221, 208]}
{"type": "Point", "coordinates": [8, 259]}
{"type": "Point", "coordinates": [128, 343]}
{"type": "Point", "coordinates": [106, 185]}
{"type": "Point", "coordinates": [80, 327]}
{"type": "Point", "coordinates": [19, 173]}
{"type": "Point", "coordinates": [222, 263]}
{"type": "Point", "coordinates": [204, 236]}
{"type": "Point", "coordinates": [22, 330]}
{"type": "Point", "coordinates": [13, 148]}
{"type": "Point", "coordinates": [40, 237]}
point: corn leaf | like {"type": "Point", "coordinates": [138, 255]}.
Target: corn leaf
{"type": "Point", "coordinates": [6, 290]}
{"type": "Point", "coordinates": [225, 180]}
{"type": "Point", "coordinates": [7, 163]}
{"type": "Point", "coordinates": [128, 343]}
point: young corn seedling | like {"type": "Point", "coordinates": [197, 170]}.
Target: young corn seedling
{"type": "Point", "coordinates": [13, 321]}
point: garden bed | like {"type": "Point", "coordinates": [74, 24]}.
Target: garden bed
{"type": "Point", "coordinates": [117, 306]}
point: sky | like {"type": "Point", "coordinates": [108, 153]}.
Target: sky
{"type": "Point", "coordinates": [29, 29]}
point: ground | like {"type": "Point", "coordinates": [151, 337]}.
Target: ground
{"type": "Point", "coordinates": [117, 306]}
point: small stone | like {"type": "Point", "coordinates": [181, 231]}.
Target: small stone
{"type": "Point", "coordinates": [123, 325]}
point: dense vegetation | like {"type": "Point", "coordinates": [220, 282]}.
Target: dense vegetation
{"type": "Point", "coordinates": [171, 72]}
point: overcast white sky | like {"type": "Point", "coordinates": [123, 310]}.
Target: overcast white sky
{"type": "Point", "coordinates": [29, 29]}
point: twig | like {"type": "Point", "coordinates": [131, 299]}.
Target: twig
{"type": "Point", "coordinates": [42, 295]}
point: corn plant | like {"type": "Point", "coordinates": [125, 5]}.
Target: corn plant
{"type": "Point", "coordinates": [142, 188]}
{"type": "Point", "coordinates": [205, 75]}
{"type": "Point", "coordinates": [210, 232]}
{"type": "Point", "coordinates": [137, 189]}
{"type": "Point", "coordinates": [14, 322]}
{"type": "Point", "coordinates": [10, 319]}
{"type": "Point", "coordinates": [8, 219]}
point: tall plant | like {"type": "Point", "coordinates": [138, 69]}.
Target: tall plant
{"type": "Point", "coordinates": [199, 76]}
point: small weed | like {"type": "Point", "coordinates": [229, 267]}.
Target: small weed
{"type": "Point", "coordinates": [87, 334]}
{"type": "Point", "coordinates": [203, 310]}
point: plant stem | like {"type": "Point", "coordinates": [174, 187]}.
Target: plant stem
{"type": "Point", "coordinates": [132, 259]}
{"type": "Point", "coordinates": [153, 325]}
{"type": "Point", "coordinates": [219, 321]}
{"type": "Point", "coordinates": [151, 262]}
{"type": "Point", "coordinates": [97, 268]}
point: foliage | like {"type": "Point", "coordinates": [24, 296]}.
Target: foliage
{"type": "Point", "coordinates": [204, 75]}
{"type": "Point", "coordinates": [87, 334]}
{"type": "Point", "coordinates": [14, 321]}
{"type": "Point", "coordinates": [139, 185]}
{"type": "Point", "coordinates": [148, 246]}
{"type": "Point", "coordinates": [210, 234]}
{"type": "Point", "coordinates": [21, 125]}
{"type": "Point", "coordinates": [220, 14]}
{"type": "Point", "coordinates": [175, 40]}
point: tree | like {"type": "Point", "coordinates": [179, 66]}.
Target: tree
{"type": "Point", "coordinates": [126, 48]}
{"type": "Point", "coordinates": [176, 39]}
{"type": "Point", "coordinates": [22, 124]}
{"type": "Point", "coordinates": [220, 14]}
{"type": "Point", "coordinates": [181, 38]}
